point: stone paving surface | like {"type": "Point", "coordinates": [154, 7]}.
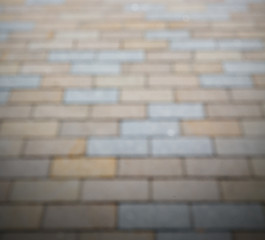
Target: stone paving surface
{"type": "Point", "coordinates": [125, 120]}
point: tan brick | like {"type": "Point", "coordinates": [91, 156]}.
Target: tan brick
{"type": "Point", "coordinates": [198, 68]}
{"type": "Point", "coordinates": [243, 190]}
{"type": "Point", "coordinates": [217, 167]}
{"type": "Point", "coordinates": [259, 80]}
{"type": "Point", "coordinates": [36, 96]}
{"type": "Point", "coordinates": [147, 95]}
{"type": "Point", "coordinates": [9, 69]}
{"type": "Point", "coordinates": [47, 45]}
{"type": "Point", "coordinates": [254, 55]}
{"type": "Point", "coordinates": [69, 147]}
{"type": "Point", "coordinates": [258, 167]}
{"type": "Point", "coordinates": [254, 128]}
{"type": "Point", "coordinates": [118, 111]}
{"type": "Point", "coordinates": [233, 110]}
{"type": "Point", "coordinates": [43, 191]}
{"type": "Point", "coordinates": [28, 129]}
{"type": "Point", "coordinates": [20, 217]}
{"type": "Point", "coordinates": [66, 81]}
{"type": "Point", "coordinates": [249, 95]}
{"type": "Point", "coordinates": [202, 95]}
{"type": "Point", "coordinates": [168, 56]}
{"type": "Point", "coordinates": [211, 128]}
{"type": "Point", "coordinates": [10, 147]}
{"type": "Point", "coordinates": [132, 44]}
{"type": "Point", "coordinates": [4, 187]}
{"type": "Point", "coordinates": [249, 236]}
{"type": "Point", "coordinates": [98, 45]}
{"type": "Point", "coordinates": [147, 68]}
{"type": "Point", "coordinates": [173, 81]}
{"type": "Point", "coordinates": [217, 55]}
{"type": "Point", "coordinates": [14, 112]}
{"type": "Point", "coordinates": [150, 167]}
{"type": "Point", "coordinates": [35, 68]}
{"type": "Point", "coordinates": [115, 190]}
{"type": "Point", "coordinates": [26, 56]}
{"type": "Point", "coordinates": [83, 167]}
{"type": "Point", "coordinates": [64, 112]}
{"type": "Point", "coordinates": [188, 190]}
{"type": "Point", "coordinates": [144, 25]}
{"type": "Point", "coordinates": [120, 81]}
{"type": "Point", "coordinates": [117, 236]}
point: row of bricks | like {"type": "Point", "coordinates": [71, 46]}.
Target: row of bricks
{"type": "Point", "coordinates": [134, 216]}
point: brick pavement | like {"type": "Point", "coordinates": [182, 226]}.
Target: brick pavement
{"type": "Point", "coordinates": [132, 120]}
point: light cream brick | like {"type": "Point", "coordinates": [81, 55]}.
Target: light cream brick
{"type": "Point", "coordinates": [132, 44]}
{"type": "Point", "coordinates": [69, 147]}
{"type": "Point", "coordinates": [47, 45]}
{"type": "Point", "coordinates": [217, 56]}
{"type": "Point", "coordinates": [244, 190]}
{"type": "Point", "coordinates": [249, 95]}
{"type": "Point", "coordinates": [9, 69]}
{"type": "Point", "coordinates": [147, 68]}
{"type": "Point", "coordinates": [173, 81]}
{"type": "Point", "coordinates": [10, 147]}
{"type": "Point", "coordinates": [258, 167]}
{"type": "Point", "coordinates": [83, 167]}
{"type": "Point", "coordinates": [168, 56]}
{"type": "Point", "coordinates": [66, 81]}
{"type": "Point", "coordinates": [120, 81]}
{"type": "Point", "coordinates": [144, 25]}
{"type": "Point", "coordinates": [98, 45]}
{"type": "Point", "coordinates": [202, 95]}
{"type": "Point", "coordinates": [259, 80]}
{"type": "Point", "coordinates": [211, 128]}
{"type": "Point", "coordinates": [36, 68]}
{"type": "Point", "coordinates": [29, 129]}
{"type": "Point", "coordinates": [217, 167]}
{"type": "Point", "coordinates": [198, 68]}
{"type": "Point", "coordinates": [254, 128]}
{"type": "Point", "coordinates": [14, 111]}
{"type": "Point", "coordinates": [150, 167]}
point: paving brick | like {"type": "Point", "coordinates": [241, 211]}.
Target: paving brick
{"type": "Point", "coordinates": [193, 236]}
{"type": "Point", "coordinates": [211, 128]}
{"type": "Point", "coordinates": [91, 96]}
{"type": "Point", "coordinates": [48, 68]}
{"type": "Point", "coordinates": [185, 190]}
{"type": "Point", "coordinates": [258, 167]}
{"type": "Point", "coordinates": [66, 81]}
{"type": "Point", "coordinates": [83, 167]}
{"type": "Point", "coordinates": [147, 68]}
{"type": "Point", "coordinates": [225, 81]}
{"type": "Point", "coordinates": [233, 110]}
{"type": "Point", "coordinates": [176, 111]}
{"type": "Point", "coordinates": [144, 216]}
{"type": "Point", "coordinates": [166, 34]}
{"type": "Point", "coordinates": [61, 112]}
{"type": "Point", "coordinates": [254, 128]}
{"type": "Point", "coordinates": [149, 128]}
{"type": "Point", "coordinates": [228, 216]}
{"type": "Point", "coordinates": [79, 217]}
{"type": "Point", "coordinates": [249, 236]}
{"type": "Point", "coordinates": [244, 67]}
{"type": "Point", "coordinates": [96, 69]}
{"type": "Point", "coordinates": [240, 146]}
{"type": "Point", "coordinates": [118, 111]}
{"type": "Point", "coordinates": [184, 146]}
{"type": "Point", "coordinates": [24, 168]}
{"type": "Point", "coordinates": [120, 81]}
{"type": "Point", "coordinates": [14, 111]}
{"type": "Point", "coordinates": [217, 55]}
{"type": "Point", "coordinates": [248, 95]}
{"type": "Point", "coordinates": [9, 69]}
{"type": "Point", "coordinates": [217, 167]}
{"type": "Point", "coordinates": [50, 45]}
{"type": "Point", "coordinates": [117, 147]}
{"type": "Point", "coordinates": [173, 81]}
{"type": "Point", "coordinates": [115, 190]}
{"type": "Point", "coordinates": [10, 147]}
{"type": "Point", "coordinates": [29, 129]}
{"type": "Point", "coordinates": [16, 26]}
{"type": "Point", "coordinates": [243, 190]}
{"type": "Point", "coordinates": [4, 188]}
{"type": "Point", "coordinates": [71, 56]}
{"type": "Point", "coordinates": [240, 44]}
{"type": "Point", "coordinates": [76, 34]}
{"type": "Point", "coordinates": [45, 191]}
{"type": "Point", "coordinates": [4, 95]}
{"type": "Point", "coordinates": [168, 56]}
{"type": "Point", "coordinates": [132, 44]}
{"type": "Point", "coordinates": [17, 82]}
{"type": "Point", "coordinates": [150, 167]}
{"type": "Point", "coordinates": [44, 2]}
{"type": "Point", "coordinates": [20, 217]}
{"type": "Point", "coordinates": [39, 236]}
{"type": "Point", "coordinates": [97, 45]}
{"type": "Point", "coordinates": [121, 56]}
{"type": "Point", "coordinates": [190, 45]}
{"type": "Point", "coordinates": [55, 147]}
{"type": "Point", "coordinates": [117, 236]}
{"type": "Point", "coordinates": [202, 95]}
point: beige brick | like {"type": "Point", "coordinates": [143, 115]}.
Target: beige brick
{"type": "Point", "coordinates": [217, 56]}
{"type": "Point", "coordinates": [211, 128]}
{"type": "Point", "coordinates": [254, 128]}
{"type": "Point", "coordinates": [14, 111]}
{"type": "Point", "coordinates": [69, 147]}
{"type": "Point", "coordinates": [36, 96]}
{"type": "Point", "coordinates": [233, 110]}
{"type": "Point", "coordinates": [185, 190]}
{"type": "Point", "coordinates": [249, 95]}
{"type": "Point", "coordinates": [150, 167]}
{"type": "Point", "coordinates": [173, 81]}
{"type": "Point", "coordinates": [89, 128]}
{"type": "Point", "coordinates": [29, 129]}
{"type": "Point", "coordinates": [20, 217]}
{"type": "Point", "coordinates": [168, 56]}
{"type": "Point", "coordinates": [258, 167]}
{"type": "Point", "coordinates": [83, 167]}
{"type": "Point", "coordinates": [9, 69]}
{"type": "Point", "coordinates": [62, 112]}
{"type": "Point", "coordinates": [202, 95]}
{"type": "Point", "coordinates": [147, 68]}
{"type": "Point", "coordinates": [98, 45]}
{"type": "Point", "coordinates": [36, 68]}
{"type": "Point", "coordinates": [259, 80]}
{"type": "Point", "coordinates": [147, 96]}
{"type": "Point", "coordinates": [117, 236]}
{"type": "Point", "coordinates": [119, 111]}
{"type": "Point", "coordinates": [120, 81]}
{"type": "Point", "coordinates": [144, 25]}
{"type": "Point", "coordinates": [198, 68]}
{"type": "Point", "coordinates": [66, 81]}
{"type": "Point", "coordinates": [47, 45]}
{"type": "Point", "coordinates": [115, 190]}
{"type": "Point", "coordinates": [10, 147]}
{"type": "Point", "coordinates": [243, 190]}
{"type": "Point", "coordinates": [254, 55]}
{"type": "Point", "coordinates": [132, 44]}
{"type": "Point", "coordinates": [26, 56]}
{"type": "Point", "coordinates": [217, 167]}
{"type": "Point", "coordinates": [43, 191]}
{"type": "Point", "coordinates": [4, 188]}
{"type": "Point", "coordinates": [249, 236]}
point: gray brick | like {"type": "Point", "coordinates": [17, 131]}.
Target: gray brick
{"type": "Point", "coordinates": [144, 7]}
{"type": "Point", "coordinates": [24, 168]}
{"type": "Point", "coordinates": [176, 111]}
{"type": "Point", "coordinates": [244, 67]}
{"type": "Point", "coordinates": [238, 44]}
{"type": "Point", "coordinates": [4, 188]}
{"type": "Point", "coordinates": [166, 34]}
{"type": "Point", "coordinates": [117, 147]}
{"type": "Point", "coordinates": [149, 128]}
{"type": "Point", "coordinates": [91, 96]}
{"type": "Point", "coordinates": [153, 216]}
{"type": "Point", "coordinates": [117, 236]}
{"type": "Point", "coordinates": [44, 2]}
{"type": "Point", "coordinates": [189, 45]}
{"type": "Point", "coordinates": [4, 96]}
{"type": "Point", "coordinates": [225, 81]}
{"type": "Point", "coordinates": [228, 216]}
{"type": "Point", "coordinates": [39, 236]}
{"type": "Point", "coordinates": [185, 146]}
{"type": "Point", "coordinates": [8, 82]}
{"type": "Point", "coordinates": [240, 147]}
{"type": "Point", "coordinates": [193, 236]}
{"type": "Point", "coordinates": [254, 128]}
{"type": "Point", "coordinates": [121, 56]}
{"type": "Point", "coordinates": [71, 56]}
{"type": "Point", "coordinates": [16, 26]}
{"type": "Point", "coordinates": [79, 217]}
{"type": "Point", "coordinates": [96, 69]}
{"type": "Point", "coordinates": [3, 37]}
